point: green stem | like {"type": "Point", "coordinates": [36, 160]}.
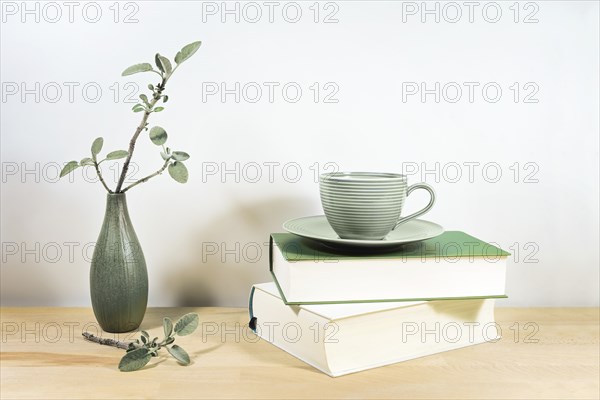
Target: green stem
{"type": "Point", "coordinates": [145, 179]}
{"type": "Point", "coordinates": [137, 132]}
{"type": "Point", "coordinates": [100, 176]}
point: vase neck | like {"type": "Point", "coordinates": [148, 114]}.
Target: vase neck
{"type": "Point", "coordinates": [116, 205]}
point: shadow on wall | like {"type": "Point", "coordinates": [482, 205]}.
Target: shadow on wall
{"type": "Point", "coordinates": [230, 253]}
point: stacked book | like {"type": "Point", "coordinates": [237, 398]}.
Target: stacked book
{"type": "Point", "coordinates": [347, 311]}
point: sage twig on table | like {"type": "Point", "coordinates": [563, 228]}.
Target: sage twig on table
{"type": "Point", "coordinates": [140, 351]}
{"type": "Point", "coordinates": [107, 341]}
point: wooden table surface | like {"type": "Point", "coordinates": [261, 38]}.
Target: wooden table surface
{"type": "Point", "coordinates": [544, 353]}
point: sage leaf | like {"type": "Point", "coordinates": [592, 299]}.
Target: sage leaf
{"type": "Point", "coordinates": [164, 155]}
{"type": "Point", "coordinates": [158, 135]}
{"type": "Point", "coordinates": [180, 354]}
{"type": "Point", "coordinates": [163, 63]}
{"type": "Point", "coordinates": [158, 109]}
{"type": "Point", "coordinates": [189, 322]}
{"type": "Point", "coordinates": [165, 98]}
{"type": "Point", "coordinates": [86, 161]}
{"type": "Point", "coordinates": [158, 63]}
{"type": "Point", "coordinates": [144, 340]}
{"type": "Point", "coordinates": [115, 155]}
{"type": "Point", "coordinates": [179, 172]}
{"type": "Point", "coordinates": [69, 167]}
{"type": "Point", "coordinates": [144, 98]}
{"type": "Point", "coordinates": [168, 326]}
{"type": "Point", "coordinates": [187, 51]}
{"type": "Point", "coordinates": [134, 69]}
{"type": "Point", "coordinates": [134, 360]}
{"type": "Point", "coordinates": [97, 146]}
{"type": "Point", "coordinates": [170, 340]}
{"type": "Point", "coordinates": [180, 155]}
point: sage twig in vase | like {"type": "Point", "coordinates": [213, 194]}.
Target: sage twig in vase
{"type": "Point", "coordinates": [118, 275]}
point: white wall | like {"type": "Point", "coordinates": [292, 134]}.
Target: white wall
{"type": "Point", "coordinates": [543, 208]}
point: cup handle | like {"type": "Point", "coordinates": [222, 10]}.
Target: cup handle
{"type": "Point", "coordinates": [422, 211]}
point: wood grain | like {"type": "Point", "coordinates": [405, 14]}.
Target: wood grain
{"type": "Point", "coordinates": [44, 356]}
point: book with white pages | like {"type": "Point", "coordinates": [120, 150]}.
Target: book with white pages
{"type": "Point", "coordinates": [339, 339]}
{"type": "Point", "coordinates": [453, 265]}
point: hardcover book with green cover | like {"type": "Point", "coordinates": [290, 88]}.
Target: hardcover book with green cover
{"type": "Point", "coordinates": [453, 265]}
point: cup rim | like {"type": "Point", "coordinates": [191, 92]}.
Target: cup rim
{"type": "Point", "coordinates": [351, 176]}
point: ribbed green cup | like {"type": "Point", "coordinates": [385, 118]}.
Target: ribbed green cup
{"type": "Point", "coordinates": [366, 205]}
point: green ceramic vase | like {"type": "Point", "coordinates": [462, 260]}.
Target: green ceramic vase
{"type": "Point", "coordinates": [118, 275]}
